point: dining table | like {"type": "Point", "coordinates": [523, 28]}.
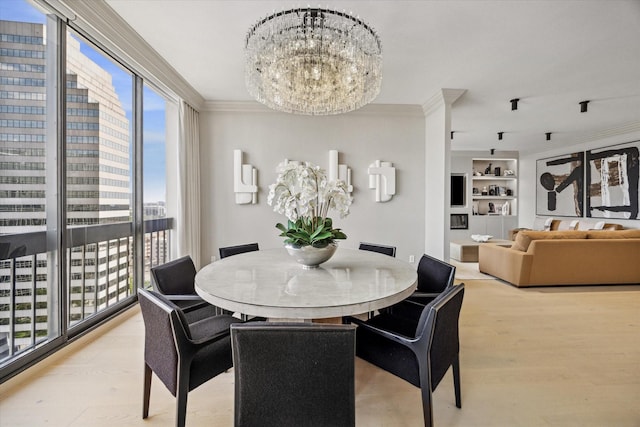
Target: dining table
{"type": "Point", "coordinates": [270, 283]}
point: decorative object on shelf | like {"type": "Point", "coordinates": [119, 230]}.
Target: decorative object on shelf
{"type": "Point", "coordinates": [508, 172]}
{"type": "Point", "coordinates": [476, 191]}
{"type": "Point", "coordinates": [304, 195]}
{"type": "Point", "coordinates": [496, 171]}
{"type": "Point", "coordinates": [475, 208]}
{"type": "Point", "coordinates": [492, 208]}
{"type": "Point", "coordinates": [245, 181]}
{"type": "Point", "coordinates": [485, 192]}
{"type": "Point", "coordinates": [505, 208]}
{"type": "Point", "coordinates": [560, 185]}
{"type": "Point", "coordinates": [613, 180]}
{"type": "Point", "coordinates": [482, 238]}
{"type": "Point", "coordinates": [487, 171]}
{"type": "Point", "coordinates": [313, 61]}
{"type": "Point", "coordinates": [382, 178]}
{"type": "Point", "coordinates": [338, 171]}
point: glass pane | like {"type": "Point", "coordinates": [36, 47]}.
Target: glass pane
{"type": "Point", "coordinates": [28, 287]}
{"type": "Point", "coordinates": [156, 236]}
{"type": "Point", "coordinates": [98, 180]}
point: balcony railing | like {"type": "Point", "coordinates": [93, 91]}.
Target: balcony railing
{"type": "Point", "coordinates": [100, 276]}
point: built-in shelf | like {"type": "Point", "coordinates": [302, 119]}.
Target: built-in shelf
{"type": "Point", "coordinates": [494, 183]}
{"type": "Point", "coordinates": [476, 197]}
{"type": "Point", "coordinates": [494, 178]}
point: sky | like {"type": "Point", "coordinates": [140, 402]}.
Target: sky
{"type": "Point", "coordinates": [153, 110]}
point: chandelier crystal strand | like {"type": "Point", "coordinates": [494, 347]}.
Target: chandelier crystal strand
{"type": "Point", "coordinates": [313, 61]}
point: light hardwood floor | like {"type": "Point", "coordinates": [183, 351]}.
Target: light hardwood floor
{"type": "Point", "coordinates": [566, 356]}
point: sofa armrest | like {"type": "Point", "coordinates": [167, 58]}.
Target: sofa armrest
{"type": "Point", "coordinates": [505, 263]}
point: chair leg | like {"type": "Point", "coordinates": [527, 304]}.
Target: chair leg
{"type": "Point", "coordinates": [146, 392]}
{"type": "Point", "coordinates": [427, 406]}
{"type": "Point", "coordinates": [456, 380]}
{"type": "Point", "coordinates": [181, 396]}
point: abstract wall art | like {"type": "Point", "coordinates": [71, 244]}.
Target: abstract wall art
{"type": "Point", "coordinates": [245, 181]}
{"type": "Point", "coordinates": [339, 171]}
{"type": "Point", "coordinates": [612, 180]}
{"type": "Point", "coordinates": [382, 179]}
{"type": "Point", "coordinates": [560, 185]}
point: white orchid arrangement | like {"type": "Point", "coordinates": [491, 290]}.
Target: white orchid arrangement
{"type": "Point", "coordinates": [304, 195]}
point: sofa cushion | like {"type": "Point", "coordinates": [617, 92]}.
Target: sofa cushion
{"type": "Point", "coordinates": [564, 224]}
{"type": "Point", "coordinates": [615, 234]}
{"type": "Point", "coordinates": [598, 225]}
{"type": "Point", "coordinates": [525, 237]}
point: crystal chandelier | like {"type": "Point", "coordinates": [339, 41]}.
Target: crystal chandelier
{"type": "Point", "coordinates": [313, 61]}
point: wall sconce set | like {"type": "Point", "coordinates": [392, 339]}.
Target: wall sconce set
{"type": "Point", "coordinates": [382, 178]}
{"type": "Point", "coordinates": [338, 171]}
{"type": "Point", "coordinates": [245, 181]}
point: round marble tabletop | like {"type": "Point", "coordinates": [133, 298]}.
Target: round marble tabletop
{"type": "Point", "coordinates": [271, 284]}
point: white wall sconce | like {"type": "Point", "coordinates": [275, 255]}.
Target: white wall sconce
{"type": "Point", "coordinates": [245, 181]}
{"type": "Point", "coordinates": [382, 178]}
{"type": "Point", "coordinates": [338, 171]}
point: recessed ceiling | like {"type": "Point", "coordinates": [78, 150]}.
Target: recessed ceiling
{"type": "Point", "coordinates": [549, 54]}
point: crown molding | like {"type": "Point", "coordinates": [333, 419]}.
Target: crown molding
{"type": "Point", "coordinates": [624, 129]}
{"type": "Point", "coordinates": [443, 97]}
{"type": "Point", "coordinates": [367, 110]}
{"type": "Point", "coordinates": [102, 24]}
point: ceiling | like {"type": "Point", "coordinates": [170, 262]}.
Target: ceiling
{"type": "Point", "coordinates": [549, 54]}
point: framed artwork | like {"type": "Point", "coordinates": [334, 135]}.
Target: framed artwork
{"type": "Point", "coordinates": [613, 176]}
{"type": "Point", "coordinates": [560, 185]}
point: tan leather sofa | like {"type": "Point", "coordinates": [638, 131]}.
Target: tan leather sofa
{"type": "Point", "coordinates": [547, 258]}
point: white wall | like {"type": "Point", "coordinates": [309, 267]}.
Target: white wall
{"type": "Point", "coordinates": [388, 133]}
{"type": "Point", "coordinates": [527, 180]}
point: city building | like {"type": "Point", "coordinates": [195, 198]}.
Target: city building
{"type": "Point", "coordinates": [97, 180]}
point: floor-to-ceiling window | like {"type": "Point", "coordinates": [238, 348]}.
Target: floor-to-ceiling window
{"type": "Point", "coordinates": [156, 237]}
{"type": "Point", "coordinates": [99, 177]}
{"type": "Point", "coordinates": [28, 181]}
{"type": "Point", "coordinates": [78, 229]}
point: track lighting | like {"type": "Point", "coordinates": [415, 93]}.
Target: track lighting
{"type": "Point", "coordinates": [452, 134]}
{"type": "Point", "coordinates": [500, 136]}
{"type": "Point", "coordinates": [548, 134]}
{"type": "Point", "coordinates": [583, 106]}
{"type": "Point", "coordinates": [493, 151]}
{"type": "Point", "coordinates": [514, 103]}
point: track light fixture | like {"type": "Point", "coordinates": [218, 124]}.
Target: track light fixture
{"type": "Point", "coordinates": [493, 151]}
{"type": "Point", "coordinates": [500, 136]}
{"type": "Point", "coordinates": [514, 103]}
{"type": "Point", "coordinates": [452, 134]}
{"type": "Point", "coordinates": [583, 106]}
{"type": "Point", "coordinates": [548, 134]}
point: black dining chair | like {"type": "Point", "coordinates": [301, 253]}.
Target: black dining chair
{"type": "Point", "coordinates": [176, 281]}
{"type": "Point", "coordinates": [434, 277]}
{"type": "Point", "coordinates": [183, 355]}
{"type": "Point", "coordinates": [381, 249]}
{"type": "Point", "coordinates": [418, 350]}
{"type": "Point", "coordinates": [293, 374]}
{"type": "Point", "coordinates": [374, 247]}
{"type": "Point", "coordinates": [238, 249]}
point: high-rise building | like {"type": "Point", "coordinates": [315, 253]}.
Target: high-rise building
{"type": "Point", "coordinates": [97, 179]}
